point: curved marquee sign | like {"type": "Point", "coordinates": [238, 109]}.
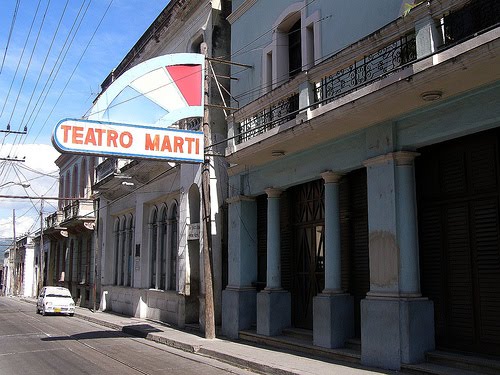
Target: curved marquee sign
{"type": "Point", "coordinates": [132, 118]}
{"type": "Point", "coordinates": [126, 140]}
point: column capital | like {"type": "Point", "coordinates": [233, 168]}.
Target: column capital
{"type": "Point", "coordinates": [239, 198]}
{"type": "Point", "coordinates": [405, 157]}
{"type": "Point", "coordinates": [331, 177]}
{"type": "Point", "coordinates": [398, 157]}
{"type": "Point", "coordinates": [273, 192]}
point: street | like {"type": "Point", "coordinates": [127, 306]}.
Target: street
{"type": "Point", "coordinates": [35, 344]}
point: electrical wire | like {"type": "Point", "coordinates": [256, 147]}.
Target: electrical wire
{"type": "Point", "coordinates": [59, 61]}
{"type": "Point", "coordinates": [20, 59]}
{"type": "Point", "coordinates": [44, 62]}
{"type": "Point", "coordinates": [10, 33]}
{"type": "Point", "coordinates": [77, 64]}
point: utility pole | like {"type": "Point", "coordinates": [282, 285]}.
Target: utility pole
{"type": "Point", "coordinates": [207, 214]}
{"type": "Point", "coordinates": [96, 244]}
{"type": "Point", "coordinates": [42, 261]}
{"type": "Point", "coordinates": [13, 272]}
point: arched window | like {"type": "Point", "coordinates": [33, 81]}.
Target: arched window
{"type": "Point", "coordinates": [163, 247]}
{"type": "Point", "coordinates": [67, 187]}
{"type": "Point", "coordinates": [116, 242]}
{"type": "Point", "coordinates": [83, 178]}
{"type": "Point", "coordinates": [123, 250]}
{"type": "Point", "coordinates": [153, 235]}
{"type": "Point", "coordinates": [294, 49]}
{"type": "Point", "coordinates": [74, 185]}
{"type": "Point", "coordinates": [130, 248]}
{"type": "Point", "coordinates": [61, 192]}
{"type": "Point", "coordinates": [172, 284]}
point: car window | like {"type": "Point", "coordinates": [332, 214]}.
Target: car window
{"type": "Point", "coordinates": [58, 295]}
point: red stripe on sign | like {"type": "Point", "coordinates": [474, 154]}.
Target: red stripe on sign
{"type": "Point", "coordinates": [188, 80]}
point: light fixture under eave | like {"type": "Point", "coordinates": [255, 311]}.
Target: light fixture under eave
{"type": "Point", "coordinates": [277, 153]}
{"type": "Point", "coordinates": [430, 96]}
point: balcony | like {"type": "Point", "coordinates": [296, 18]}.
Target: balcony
{"type": "Point", "coordinates": [379, 77]}
{"type": "Point", "coordinates": [79, 209]}
{"type": "Point", "coordinates": [53, 220]}
{"type": "Point", "coordinates": [109, 167]}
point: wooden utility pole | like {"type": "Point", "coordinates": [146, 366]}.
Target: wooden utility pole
{"type": "Point", "coordinates": [13, 271]}
{"type": "Point", "coordinates": [207, 214]}
{"type": "Point", "coordinates": [96, 244]}
{"type": "Point", "coordinates": [42, 260]}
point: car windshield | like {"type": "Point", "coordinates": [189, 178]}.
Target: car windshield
{"type": "Point", "coordinates": [57, 295]}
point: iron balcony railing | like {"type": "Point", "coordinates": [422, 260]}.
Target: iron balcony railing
{"type": "Point", "coordinates": [474, 18]}
{"type": "Point", "coordinates": [388, 59]}
{"type": "Point", "coordinates": [79, 208]}
{"type": "Point", "coordinates": [385, 52]}
{"type": "Point", "coordinates": [54, 219]}
{"type": "Point", "coordinates": [275, 115]}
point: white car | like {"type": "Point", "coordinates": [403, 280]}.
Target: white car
{"type": "Point", "coordinates": [55, 300]}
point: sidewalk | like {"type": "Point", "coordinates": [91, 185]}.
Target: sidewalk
{"type": "Point", "coordinates": [246, 356]}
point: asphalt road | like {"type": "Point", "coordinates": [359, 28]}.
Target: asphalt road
{"type": "Point", "coordinates": [35, 344]}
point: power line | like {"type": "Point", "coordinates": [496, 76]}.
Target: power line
{"type": "Point", "coordinates": [20, 59]}
{"type": "Point", "coordinates": [10, 33]}
{"type": "Point", "coordinates": [58, 64]}
{"type": "Point", "coordinates": [44, 62]}
{"type": "Point", "coordinates": [77, 64]}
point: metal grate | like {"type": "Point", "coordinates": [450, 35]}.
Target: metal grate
{"type": "Point", "coordinates": [475, 17]}
{"type": "Point", "coordinates": [376, 65]}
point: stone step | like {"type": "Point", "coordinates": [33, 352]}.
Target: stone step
{"type": "Point", "coordinates": [427, 368]}
{"type": "Point", "coordinates": [299, 333]}
{"type": "Point", "coordinates": [475, 363]}
{"type": "Point", "coordinates": [354, 343]}
{"type": "Point", "coordinates": [301, 346]}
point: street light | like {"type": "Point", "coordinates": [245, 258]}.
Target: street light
{"type": "Point", "coordinates": [23, 184]}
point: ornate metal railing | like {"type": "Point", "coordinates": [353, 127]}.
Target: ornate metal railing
{"type": "Point", "coordinates": [476, 16]}
{"type": "Point", "coordinates": [53, 219]}
{"type": "Point", "coordinates": [79, 208]}
{"type": "Point", "coordinates": [106, 168]}
{"type": "Point", "coordinates": [376, 65]}
{"type": "Point", "coordinates": [275, 115]}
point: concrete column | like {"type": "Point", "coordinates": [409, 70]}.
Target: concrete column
{"type": "Point", "coordinates": [151, 240]}
{"type": "Point", "coordinates": [273, 303]}
{"type": "Point", "coordinates": [168, 258]}
{"type": "Point", "coordinates": [121, 240]}
{"type": "Point", "coordinates": [273, 239]}
{"type": "Point", "coordinates": [332, 233]}
{"type": "Point", "coordinates": [394, 316]}
{"type": "Point", "coordinates": [239, 305]}
{"type": "Point", "coordinates": [428, 37]}
{"type": "Point", "coordinates": [333, 309]}
{"type": "Point", "coordinates": [126, 258]}
{"type": "Point", "coordinates": [409, 280]}
{"type": "Point", "coordinates": [158, 254]}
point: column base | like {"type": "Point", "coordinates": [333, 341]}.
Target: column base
{"type": "Point", "coordinates": [333, 317]}
{"type": "Point", "coordinates": [396, 331]}
{"type": "Point", "coordinates": [274, 312]}
{"type": "Point", "coordinates": [239, 310]}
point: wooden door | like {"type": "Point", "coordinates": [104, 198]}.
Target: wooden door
{"type": "Point", "coordinates": [458, 203]}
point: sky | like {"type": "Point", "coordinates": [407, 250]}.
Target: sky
{"type": "Point", "coordinates": [54, 55]}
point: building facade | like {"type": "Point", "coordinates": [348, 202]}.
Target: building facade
{"type": "Point", "coordinates": [150, 213]}
{"type": "Point", "coordinates": [69, 236]}
{"type": "Point", "coordinates": [363, 179]}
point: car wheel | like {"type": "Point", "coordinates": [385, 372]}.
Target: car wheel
{"type": "Point", "coordinates": [71, 314]}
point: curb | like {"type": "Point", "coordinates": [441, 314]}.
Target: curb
{"type": "Point", "coordinates": [195, 349]}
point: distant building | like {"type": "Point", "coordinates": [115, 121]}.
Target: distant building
{"type": "Point", "coordinates": [68, 235]}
